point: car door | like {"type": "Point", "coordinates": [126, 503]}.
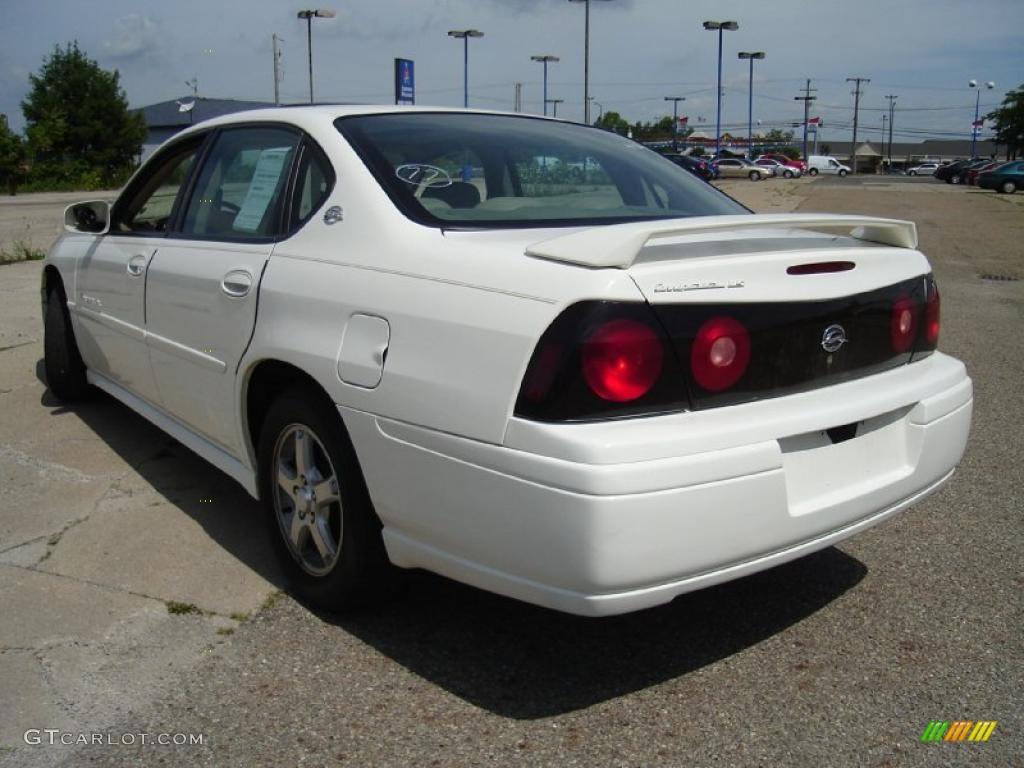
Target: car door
{"type": "Point", "coordinates": [203, 281]}
{"type": "Point", "coordinates": [110, 284]}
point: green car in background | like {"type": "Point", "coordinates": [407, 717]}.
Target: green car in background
{"type": "Point", "coordinates": [1007, 178]}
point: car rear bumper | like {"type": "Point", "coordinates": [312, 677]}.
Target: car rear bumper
{"type": "Point", "coordinates": [598, 519]}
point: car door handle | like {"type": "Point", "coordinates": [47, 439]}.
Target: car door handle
{"type": "Point", "coordinates": [236, 283]}
{"type": "Point", "coordinates": [137, 265]}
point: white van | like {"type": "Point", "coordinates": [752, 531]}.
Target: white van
{"type": "Point", "coordinates": [825, 164]}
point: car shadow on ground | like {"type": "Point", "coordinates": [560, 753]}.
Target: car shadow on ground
{"type": "Point", "coordinates": [520, 661]}
{"type": "Point", "coordinates": [227, 514]}
{"type": "Point", "coordinates": [510, 658]}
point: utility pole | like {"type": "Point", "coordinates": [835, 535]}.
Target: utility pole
{"type": "Point", "coordinates": [675, 119]}
{"type": "Point", "coordinates": [892, 114]}
{"type": "Point", "coordinates": [518, 102]}
{"type": "Point", "coordinates": [885, 117]}
{"type": "Point", "coordinates": [277, 70]}
{"type": "Point", "coordinates": [856, 112]}
{"type": "Point", "coordinates": [807, 99]}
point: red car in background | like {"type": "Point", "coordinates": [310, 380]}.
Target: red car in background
{"type": "Point", "coordinates": [971, 175]}
{"type": "Point", "coordinates": [786, 161]}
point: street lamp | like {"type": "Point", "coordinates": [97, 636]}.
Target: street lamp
{"type": "Point", "coordinates": [464, 35]}
{"type": "Point", "coordinates": [309, 15]}
{"type": "Point", "coordinates": [750, 98]}
{"type": "Point", "coordinates": [675, 118]}
{"type": "Point", "coordinates": [554, 103]}
{"type": "Point", "coordinates": [720, 27]}
{"type": "Point", "coordinates": [586, 59]}
{"type": "Point", "coordinates": [977, 104]}
{"type": "Point", "coordinates": [544, 60]}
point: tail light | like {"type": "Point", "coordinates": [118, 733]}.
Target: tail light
{"type": "Point", "coordinates": [931, 316]}
{"type": "Point", "coordinates": [720, 353]}
{"type": "Point", "coordinates": [903, 324]}
{"type": "Point", "coordinates": [622, 360]}
{"type": "Point", "coordinates": [601, 360]}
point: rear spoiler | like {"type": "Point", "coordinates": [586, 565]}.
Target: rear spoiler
{"type": "Point", "coordinates": [619, 245]}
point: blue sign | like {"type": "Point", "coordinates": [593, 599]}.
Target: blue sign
{"type": "Point", "coordinates": [405, 82]}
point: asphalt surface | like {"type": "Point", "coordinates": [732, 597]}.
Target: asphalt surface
{"type": "Point", "coordinates": [839, 659]}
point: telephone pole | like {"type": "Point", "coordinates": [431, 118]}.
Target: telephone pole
{"type": "Point", "coordinates": [807, 99]}
{"type": "Point", "coordinates": [892, 114]}
{"type": "Point", "coordinates": [277, 70]}
{"type": "Point", "coordinates": [856, 112]}
{"type": "Point", "coordinates": [518, 103]}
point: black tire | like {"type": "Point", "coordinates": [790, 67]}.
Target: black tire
{"type": "Point", "coordinates": [1009, 187]}
{"type": "Point", "coordinates": [787, 174]}
{"type": "Point", "coordinates": [812, 172]}
{"type": "Point", "coordinates": [955, 179]}
{"type": "Point", "coordinates": [361, 574]}
{"type": "Point", "coordinates": [912, 173]}
{"type": "Point", "coordinates": [842, 173]}
{"type": "Point", "coordinates": [65, 371]}
{"type": "Point", "coordinates": [754, 176]}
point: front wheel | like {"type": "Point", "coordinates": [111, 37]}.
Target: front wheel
{"type": "Point", "coordinates": [754, 176]}
{"type": "Point", "coordinates": [912, 173]}
{"type": "Point", "coordinates": [318, 513]}
{"type": "Point", "coordinates": [65, 371]}
{"type": "Point", "coordinates": [1009, 187]}
{"type": "Point", "coordinates": [954, 180]}
{"type": "Point", "coordinates": [787, 174]}
{"type": "Point", "coordinates": [842, 173]}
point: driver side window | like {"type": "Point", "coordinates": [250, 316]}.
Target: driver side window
{"type": "Point", "coordinates": [147, 209]}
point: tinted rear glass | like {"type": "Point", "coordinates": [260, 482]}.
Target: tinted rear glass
{"type": "Point", "coordinates": [469, 170]}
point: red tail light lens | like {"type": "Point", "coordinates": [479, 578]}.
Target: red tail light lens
{"type": "Point", "coordinates": [720, 353]}
{"type": "Point", "coordinates": [622, 360]}
{"type": "Point", "coordinates": [903, 325]}
{"type": "Point", "coordinates": [931, 316]}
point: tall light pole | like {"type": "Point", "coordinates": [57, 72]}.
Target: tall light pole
{"type": "Point", "coordinates": [977, 104]}
{"type": "Point", "coordinates": [750, 98]}
{"type": "Point", "coordinates": [464, 35]}
{"type": "Point", "coordinates": [892, 115]}
{"type": "Point", "coordinates": [720, 27]}
{"type": "Point", "coordinates": [309, 15]}
{"type": "Point", "coordinates": [675, 119]}
{"type": "Point", "coordinates": [586, 58]}
{"type": "Point", "coordinates": [544, 59]}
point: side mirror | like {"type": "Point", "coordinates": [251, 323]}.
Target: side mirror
{"type": "Point", "coordinates": [91, 217]}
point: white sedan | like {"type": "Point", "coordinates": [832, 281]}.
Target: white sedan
{"type": "Point", "coordinates": [529, 355]}
{"type": "Point", "coordinates": [925, 169]}
{"type": "Point", "coordinates": [777, 168]}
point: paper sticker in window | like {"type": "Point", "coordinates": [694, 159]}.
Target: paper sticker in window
{"type": "Point", "coordinates": [264, 183]}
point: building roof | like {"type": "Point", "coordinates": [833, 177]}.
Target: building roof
{"type": "Point", "coordinates": [943, 148]}
{"type": "Point", "coordinates": [168, 114]}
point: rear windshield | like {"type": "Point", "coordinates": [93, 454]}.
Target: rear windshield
{"type": "Point", "coordinates": [470, 170]}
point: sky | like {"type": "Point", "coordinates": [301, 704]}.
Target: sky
{"type": "Point", "coordinates": [640, 52]}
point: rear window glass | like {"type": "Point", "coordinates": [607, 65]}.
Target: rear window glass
{"type": "Point", "coordinates": [503, 171]}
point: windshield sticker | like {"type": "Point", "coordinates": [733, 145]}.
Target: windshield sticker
{"type": "Point", "coordinates": [261, 188]}
{"type": "Point", "coordinates": [423, 175]}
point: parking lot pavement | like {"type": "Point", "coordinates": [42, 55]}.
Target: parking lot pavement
{"type": "Point", "coordinates": [102, 530]}
{"type": "Point", "coordinates": [841, 658]}
{"type": "Point", "coordinates": [34, 219]}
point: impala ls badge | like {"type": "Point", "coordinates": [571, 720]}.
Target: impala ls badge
{"type": "Point", "coordinates": [833, 338]}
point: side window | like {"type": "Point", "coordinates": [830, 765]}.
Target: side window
{"type": "Point", "coordinates": [147, 207]}
{"type": "Point", "coordinates": [241, 185]}
{"type": "Point", "coordinates": [313, 184]}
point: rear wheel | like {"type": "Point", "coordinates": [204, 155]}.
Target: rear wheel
{"type": "Point", "coordinates": [65, 371]}
{"type": "Point", "coordinates": [954, 179]}
{"type": "Point", "coordinates": [912, 173]}
{"type": "Point", "coordinates": [318, 513]}
{"type": "Point", "coordinates": [812, 172]}
{"type": "Point", "coordinates": [787, 174]}
{"type": "Point", "coordinates": [1009, 187]}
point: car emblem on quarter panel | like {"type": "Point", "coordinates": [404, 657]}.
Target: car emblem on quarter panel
{"type": "Point", "coordinates": [833, 338]}
{"type": "Point", "coordinates": [333, 215]}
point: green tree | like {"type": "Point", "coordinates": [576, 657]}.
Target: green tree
{"type": "Point", "coordinates": [1008, 122]}
{"type": "Point", "coordinates": [612, 121]}
{"type": "Point", "coordinates": [12, 157]}
{"type": "Point", "coordinates": [78, 125]}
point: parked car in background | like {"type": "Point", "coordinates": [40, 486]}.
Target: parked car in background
{"type": "Point", "coordinates": [1008, 177]}
{"type": "Point", "coordinates": [948, 171]}
{"type": "Point", "coordinates": [778, 168]}
{"type": "Point", "coordinates": [971, 174]}
{"type": "Point", "coordinates": [826, 164]}
{"type": "Point", "coordinates": [925, 169]}
{"type": "Point", "coordinates": [698, 166]}
{"type": "Point", "coordinates": [738, 168]}
{"type": "Point", "coordinates": [785, 160]}
{"type": "Point", "coordinates": [573, 376]}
